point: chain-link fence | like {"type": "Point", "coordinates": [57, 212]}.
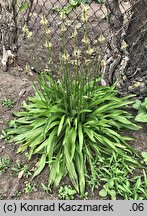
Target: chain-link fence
{"type": "Point", "coordinates": [31, 13]}
{"type": "Point", "coordinates": [107, 19]}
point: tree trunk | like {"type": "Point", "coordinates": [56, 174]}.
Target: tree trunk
{"type": "Point", "coordinates": [8, 30]}
{"type": "Point", "coordinates": [126, 59]}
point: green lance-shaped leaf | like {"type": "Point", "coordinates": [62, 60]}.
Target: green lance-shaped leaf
{"type": "Point", "coordinates": [53, 170]}
{"type": "Point", "coordinates": [69, 163]}
{"type": "Point", "coordinates": [81, 138]}
{"type": "Point", "coordinates": [61, 171]}
{"type": "Point", "coordinates": [71, 170]}
{"type": "Point", "coordinates": [41, 165]}
{"type": "Point", "coordinates": [61, 125]}
{"type": "Point", "coordinates": [137, 184]}
{"type": "Point", "coordinates": [81, 171]}
{"type": "Point", "coordinates": [73, 142]}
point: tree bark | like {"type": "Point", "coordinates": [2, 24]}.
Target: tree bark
{"type": "Point", "coordinates": [8, 30]}
{"type": "Point", "coordinates": [126, 59]}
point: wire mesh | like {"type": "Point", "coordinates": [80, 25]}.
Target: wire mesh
{"type": "Point", "coordinates": [30, 12]}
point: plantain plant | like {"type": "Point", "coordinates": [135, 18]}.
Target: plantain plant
{"type": "Point", "coordinates": [71, 121]}
{"type": "Point", "coordinates": [68, 128]}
